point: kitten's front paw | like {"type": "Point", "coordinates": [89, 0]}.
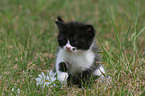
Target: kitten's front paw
{"type": "Point", "coordinates": [62, 77]}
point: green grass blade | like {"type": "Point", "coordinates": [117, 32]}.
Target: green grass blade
{"type": "Point", "coordinates": [116, 33]}
{"type": "Point", "coordinates": [142, 30]}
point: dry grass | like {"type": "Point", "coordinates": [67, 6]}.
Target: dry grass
{"type": "Point", "coordinates": [28, 44]}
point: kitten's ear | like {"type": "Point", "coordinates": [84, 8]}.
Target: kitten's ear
{"type": "Point", "coordinates": [60, 25]}
{"type": "Point", "coordinates": [59, 19]}
{"type": "Point", "coordinates": [90, 30]}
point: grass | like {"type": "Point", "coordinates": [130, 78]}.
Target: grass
{"type": "Point", "coordinates": [28, 44]}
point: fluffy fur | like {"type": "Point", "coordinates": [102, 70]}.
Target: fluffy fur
{"type": "Point", "coordinates": [76, 58]}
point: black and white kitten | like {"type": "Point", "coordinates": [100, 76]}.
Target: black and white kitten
{"type": "Point", "coordinates": [76, 61]}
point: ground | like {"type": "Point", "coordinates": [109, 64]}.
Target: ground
{"type": "Point", "coordinates": [28, 43]}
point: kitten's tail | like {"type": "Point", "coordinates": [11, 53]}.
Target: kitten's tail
{"type": "Point", "coordinates": [59, 19]}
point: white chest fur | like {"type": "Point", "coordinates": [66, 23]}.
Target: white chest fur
{"type": "Point", "coordinates": [76, 62]}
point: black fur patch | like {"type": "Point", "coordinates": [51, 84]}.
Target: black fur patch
{"type": "Point", "coordinates": [80, 79]}
{"type": "Point", "coordinates": [79, 35]}
{"type": "Point", "coordinates": [62, 67]}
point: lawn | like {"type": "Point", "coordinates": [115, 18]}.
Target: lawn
{"type": "Point", "coordinates": [28, 44]}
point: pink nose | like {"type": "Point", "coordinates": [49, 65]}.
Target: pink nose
{"type": "Point", "coordinates": [68, 48]}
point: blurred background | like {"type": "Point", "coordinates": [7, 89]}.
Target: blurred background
{"type": "Point", "coordinates": [28, 35]}
{"type": "Point", "coordinates": [34, 19]}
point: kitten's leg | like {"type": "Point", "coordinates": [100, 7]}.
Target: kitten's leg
{"type": "Point", "coordinates": [80, 79]}
{"type": "Point", "coordinates": [62, 72]}
{"type": "Point", "coordinates": [100, 72]}
{"type": "Point", "coordinates": [86, 77]}
{"type": "Point", "coordinates": [74, 80]}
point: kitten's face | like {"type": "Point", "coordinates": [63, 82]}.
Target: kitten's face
{"type": "Point", "coordinates": [75, 36]}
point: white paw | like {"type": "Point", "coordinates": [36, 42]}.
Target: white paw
{"type": "Point", "coordinates": [62, 76]}
{"type": "Point", "coordinates": [99, 72]}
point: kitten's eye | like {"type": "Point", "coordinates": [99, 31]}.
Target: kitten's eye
{"type": "Point", "coordinates": [72, 42]}
{"type": "Point", "coordinates": [62, 42]}
{"type": "Point", "coordinates": [73, 49]}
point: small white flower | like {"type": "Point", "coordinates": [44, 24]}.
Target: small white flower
{"type": "Point", "coordinates": [41, 80]}
{"type": "Point", "coordinates": [44, 80]}
{"type": "Point", "coordinates": [51, 75]}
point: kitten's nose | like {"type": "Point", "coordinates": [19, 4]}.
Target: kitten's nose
{"type": "Point", "coordinates": [68, 48]}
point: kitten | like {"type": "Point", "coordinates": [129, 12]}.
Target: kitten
{"type": "Point", "coordinates": [76, 60]}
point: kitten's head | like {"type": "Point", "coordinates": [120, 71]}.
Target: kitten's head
{"type": "Point", "coordinates": [74, 36]}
